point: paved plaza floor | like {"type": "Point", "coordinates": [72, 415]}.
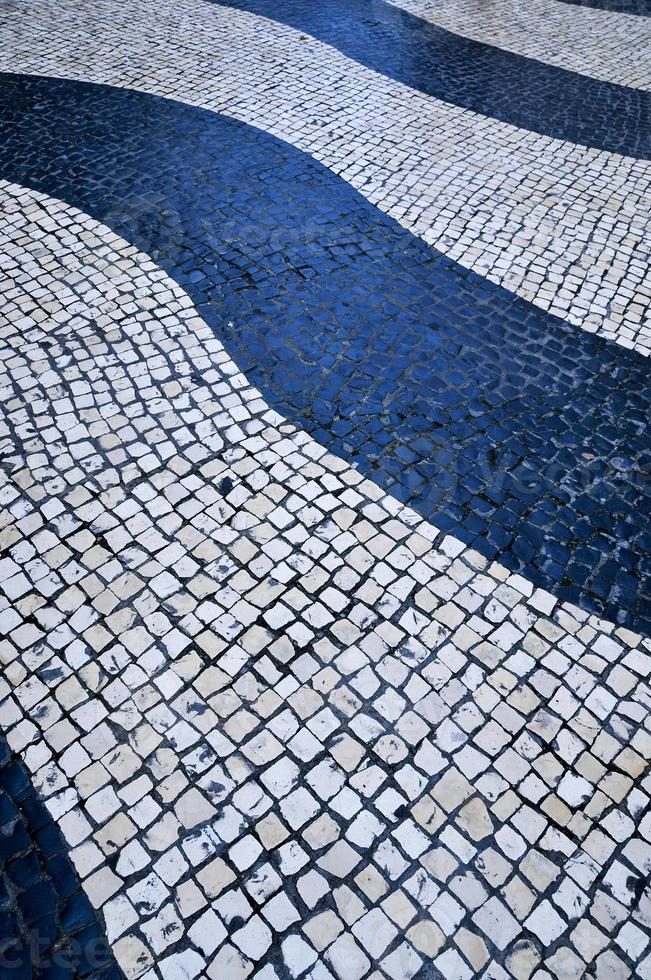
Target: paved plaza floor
{"type": "Point", "coordinates": [325, 554]}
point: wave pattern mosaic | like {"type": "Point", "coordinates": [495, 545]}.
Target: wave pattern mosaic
{"type": "Point", "coordinates": [527, 93]}
{"type": "Point", "coordinates": [324, 543]}
{"type": "Point", "coordinates": [641, 7]}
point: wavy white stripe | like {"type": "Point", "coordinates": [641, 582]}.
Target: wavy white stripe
{"type": "Point", "coordinates": [565, 227]}
{"type": "Point", "coordinates": [613, 47]}
{"type": "Point", "coordinates": [134, 575]}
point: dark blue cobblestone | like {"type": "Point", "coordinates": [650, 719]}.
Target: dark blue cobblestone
{"type": "Point", "coordinates": [522, 435]}
{"type": "Point", "coordinates": [517, 90]}
{"type": "Point", "coordinates": [40, 937]}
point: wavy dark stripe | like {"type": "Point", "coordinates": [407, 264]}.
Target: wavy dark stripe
{"type": "Point", "coordinates": [640, 7]}
{"type": "Point", "coordinates": [523, 436]}
{"type": "Point", "coordinates": [476, 76]}
{"type": "Point", "coordinates": [48, 928]}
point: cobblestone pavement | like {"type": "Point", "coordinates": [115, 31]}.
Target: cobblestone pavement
{"type": "Point", "coordinates": [587, 41]}
{"type": "Point", "coordinates": [565, 227]}
{"type": "Point", "coordinates": [262, 713]}
{"type": "Point", "coordinates": [518, 434]}
{"type": "Point", "coordinates": [640, 7]}
{"type": "Point", "coordinates": [524, 92]}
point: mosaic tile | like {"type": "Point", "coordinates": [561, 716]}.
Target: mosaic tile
{"type": "Point", "coordinates": [590, 42]}
{"type": "Point", "coordinates": [287, 727]}
{"type": "Point", "coordinates": [258, 718]}
{"type": "Point", "coordinates": [483, 193]}
{"type": "Point", "coordinates": [640, 7]}
{"type": "Point", "coordinates": [498, 423]}
{"type": "Point", "coordinates": [521, 91]}
{"type": "Point", "coordinates": [47, 925]}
